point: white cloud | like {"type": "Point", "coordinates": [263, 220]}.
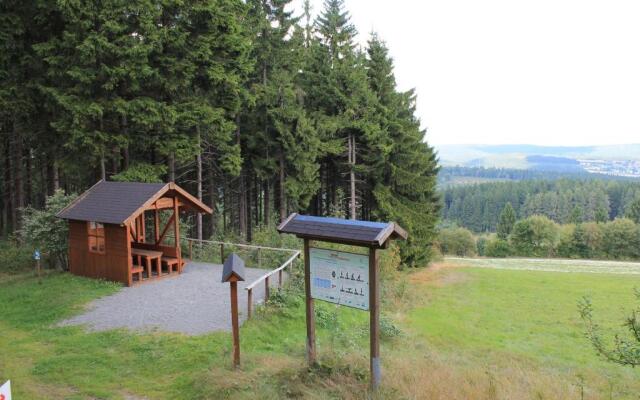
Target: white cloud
{"type": "Point", "coordinates": [549, 72]}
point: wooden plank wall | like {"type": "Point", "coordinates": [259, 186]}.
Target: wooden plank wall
{"type": "Point", "coordinates": [113, 265]}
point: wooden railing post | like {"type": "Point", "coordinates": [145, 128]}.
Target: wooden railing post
{"type": "Point", "coordinates": [221, 253]}
{"type": "Point", "coordinates": [266, 289]}
{"type": "Point", "coordinates": [280, 279]}
{"type": "Point", "coordinates": [249, 302]}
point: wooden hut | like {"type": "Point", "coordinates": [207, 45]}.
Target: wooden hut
{"type": "Point", "coordinates": [108, 235]}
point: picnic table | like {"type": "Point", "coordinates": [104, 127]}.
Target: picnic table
{"type": "Point", "coordinates": [148, 255]}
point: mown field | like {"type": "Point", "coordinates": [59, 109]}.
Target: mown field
{"type": "Point", "coordinates": [465, 333]}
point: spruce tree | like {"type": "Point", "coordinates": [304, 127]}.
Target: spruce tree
{"type": "Point", "coordinates": [506, 221]}
{"type": "Point", "coordinates": [404, 181]}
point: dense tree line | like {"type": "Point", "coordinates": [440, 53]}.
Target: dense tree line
{"type": "Point", "coordinates": [539, 236]}
{"type": "Point", "coordinates": [258, 111]}
{"type": "Point", "coordinates": [478, 206]}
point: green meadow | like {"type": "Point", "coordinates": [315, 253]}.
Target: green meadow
{"type": "Point", "coordinates": [463, 333]}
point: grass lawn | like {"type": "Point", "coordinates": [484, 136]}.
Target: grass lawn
{"type": "Point", "coordinates": [528, 318]}
{"type": "Point", "coordinates": [49, 362]}
{"type": "Point", "coordinates": [467, 333]}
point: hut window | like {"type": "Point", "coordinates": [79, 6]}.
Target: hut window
{"type": "Point", "coordinates": [96, 237]}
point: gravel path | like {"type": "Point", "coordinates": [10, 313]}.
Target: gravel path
{"type": "Point", "coordinates": [194, 303]}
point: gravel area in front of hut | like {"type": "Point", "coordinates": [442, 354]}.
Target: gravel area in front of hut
{"type": "Point", "coordinates": [194, 303]}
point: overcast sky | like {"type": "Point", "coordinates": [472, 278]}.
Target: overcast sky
{"type": "Point", "coordinates": [547, 72]}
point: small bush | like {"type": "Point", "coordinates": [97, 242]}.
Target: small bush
{"type": "Point", "coordinates": [42, 229]}
{"type": "Point", "coordinates": [497, 248]}
{"type": "Point", "coordinates": [388, 329]}
{"type": "Point", "coordinates": [326, 318]}
{"type": "Point", "coordinates": [14, 258]}
{"type": "Point", "coordinates": [481, 245]}
{"type": "Point", "coordinates": [457, 241]}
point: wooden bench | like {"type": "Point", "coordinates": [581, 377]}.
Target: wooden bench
{"type": "Point", "coordinates": [171, 263]}
{"type": "Point", "coordinates": [137, 269]}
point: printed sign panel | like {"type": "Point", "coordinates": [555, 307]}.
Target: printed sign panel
{"type": "Point", "coordinates": [340, 277]}
{"type": "Point", "coordinates": [5, 391]}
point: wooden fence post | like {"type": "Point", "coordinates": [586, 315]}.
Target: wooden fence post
{"type": "Point", "coordinates": [221, 253]}
{"type": "Point", "coordinates": [249, 302]}
{"type": "Point", "coordinates": [280, 279]}
{"type": "Point", "coordinates": [266, 289]}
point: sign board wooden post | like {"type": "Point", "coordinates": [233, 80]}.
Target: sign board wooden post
{"type": "Point", "coordinates": [343, 278]}
{"type": "Point", "coordinates": [232, 272]}
{"type": "Point", "coordinates": [36, 256]}
{"type": "Point", "coordinates": [310, 313]}
{"type": "Point", "coordinates": [374, 319]}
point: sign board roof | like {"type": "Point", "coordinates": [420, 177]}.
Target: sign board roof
{"type": "Point", "coordinates": [338, 230]}
{"type": "Point", "coordinates": [233, 265]}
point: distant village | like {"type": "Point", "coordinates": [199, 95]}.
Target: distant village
{"type": "Point", "coordinates": [628, 168]}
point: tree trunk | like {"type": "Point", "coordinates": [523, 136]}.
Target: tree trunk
{"type": "Point", "coordinates": [266, 204]}
{"type": "Point", "coordinates": [18, 188]}
{"type": "Point", "coordinates": [125, 148]}
{"type": "Point", "coordinates": [103, 169]}
{"type": "Point", "coordinates": [29, 178]}
{"type": "Point", "coordinates": [352, 176]}
{"type": "Point", "coordinates": [283, 200]}
{"type": "Point", "coordinates": [7, 200]}
{"type": "Point", "coordinates": [248, 194]}
{"type": "Point", "coordinates": [242, 194]}
{"type": "Point", "coordinates": [56, 175]}
{"type": "Point", "coordinates": [199, 185]}
{"type": "Point", "coordinates": [115, 161]}
{"type": "Point", "coordinates": [212, 203]}
{"type": "Point", "coordinates": [172, 167]}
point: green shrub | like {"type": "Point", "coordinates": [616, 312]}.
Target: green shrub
{"type": "Point", "coordinates": [326, 316]}
{"type": "Point", "coordinates": [43, 230]}
{"type": "Point", "coordinates": [481, 245]}
{"type": "Point", "coordinates": [458, 241]}
{"type": "Point", "coordinates": [15, 258]}
{"type": "Point", "coordinates": [535, 236]}
{"type": "Point", "coordinates": [388, 329]}
{"type": "Point", "coordinates": [141, 172]}
{"type": "Point", "coordinates": [497, 248]}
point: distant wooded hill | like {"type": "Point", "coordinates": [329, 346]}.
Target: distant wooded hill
{"type": "Point", "coordinates": [449, 176]}
{"type": "Point", "coordinates": [623, 160]}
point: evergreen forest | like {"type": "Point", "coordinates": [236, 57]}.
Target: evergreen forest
{"type": "Point", "coordinates": [257, 110]}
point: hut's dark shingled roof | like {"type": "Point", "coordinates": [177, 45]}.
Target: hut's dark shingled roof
{"type": "Point", "coordinates": [111, 202]}
{"type": "Point", "coordinates": [336, 229]}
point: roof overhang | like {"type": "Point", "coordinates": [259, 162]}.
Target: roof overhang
{"type": "Point", "coordinates": [344, 231]}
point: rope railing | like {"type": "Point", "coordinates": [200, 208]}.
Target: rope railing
{"type": "Point", "coordinates": [264, 278]}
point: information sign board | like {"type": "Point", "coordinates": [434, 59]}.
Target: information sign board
{"type": "Point", "coordinates": [340, 277]}
{"type": "Point", "coordinates": [5, 391]}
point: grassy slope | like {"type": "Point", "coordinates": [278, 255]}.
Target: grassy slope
{"type": "Point", "coordinates": [474, 333]}
{"type": "Point", "coordinates": [530, 317]}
